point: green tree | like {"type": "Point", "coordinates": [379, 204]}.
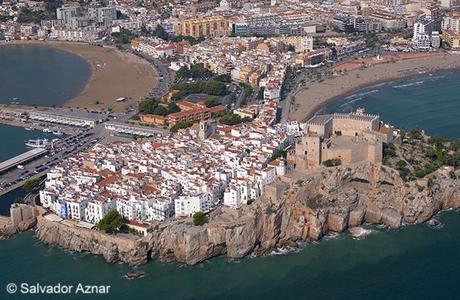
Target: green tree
{"type": "Point", "coordinates": [111, 222]}
{"type": "Point", "coordinates": [401, 164]}
{"type": "Point", "coordinates": [30, 184]}
{"type": "Point", "coordinates": [333, 162]}
{"type": "Point", "coordinates": [223, 78]}
{"type": "Point", "coordinates": [173, 108]}
{"type": "Point", "coordinates": [230, 119]}
{"type": "Point", "coordinates": [180, 125]}
{"type": "Point", "coordinates": [416, 133]}
{"type": "Point", "coordinates": [161, 33]}
{"type": "Point", "coordinates": [26, 15]}
{"type": "Point", "coordinates": [148, 105]}
{"type": "Point", "coordinates": [199, 218]}
{"type": "Point", "coordinates": [211, 102]}
{"type": "Point", "coordinates": [279, 153]}
{"type": "Point", "coordinates": [260, 93]}
{"type": "Point", "coordinates": [19, 200]}
{"type": "Point", "coordinates": [123, 37]}
{"type": "Point", "coordinates": [160, 110]}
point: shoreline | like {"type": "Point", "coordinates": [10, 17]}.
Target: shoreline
{"type": "Point", "coordinates": [333, 89]}
{"type": "Point", "coordinates": [114, 74]}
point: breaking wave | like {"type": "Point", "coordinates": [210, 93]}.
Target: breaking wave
{"type": "Point", "coordinates": [409, 84]}
{"type": "Point", "coordinates": [362, 94]}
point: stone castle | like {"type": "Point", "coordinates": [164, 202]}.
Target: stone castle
{"type": "Point", "coordinates": [351, 138]}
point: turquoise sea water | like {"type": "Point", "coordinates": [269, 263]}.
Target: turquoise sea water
{"type": "Point", "coordinates": [13, 139]}
{"type": "Point", "coordinates": [428, 102]}
{"type": "Point", "coordinates": [409, 263]}
{"type": "Point", "coordinates": [40, 75]}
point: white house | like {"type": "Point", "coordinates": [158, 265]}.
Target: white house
{"type": "Point", "coordinates": [187, 205]}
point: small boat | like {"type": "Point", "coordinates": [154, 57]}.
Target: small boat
{"type": "Point", "coordinates": [47, 130]}
{"type": "Point", "coordinates": [29, 128]}
{"type": "Point", "coordinates": [40, 143]}
{"type": "Point", "coordinates": [57, 132]}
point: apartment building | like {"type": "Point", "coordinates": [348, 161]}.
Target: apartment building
{"type": "Point", "coordinates": [204, 27]}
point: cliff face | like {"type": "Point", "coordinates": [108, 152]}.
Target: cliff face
{"type": "Point", "coordinates": [311, 205]}
{"type": "Point", "coordinates": [114, 248]}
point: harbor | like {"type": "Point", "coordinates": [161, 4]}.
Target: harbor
{"type": "Point", "coordinates": [50, 119]}
{"type": "Point", "coordinates": [65, 131]}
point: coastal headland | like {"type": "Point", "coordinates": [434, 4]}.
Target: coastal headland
{"type": "Point", "coordinates": [306, 208]}
{"type": "Point", "coordinates": [358, 74]}
{"type": "Point", "coordinates": [114, 74]}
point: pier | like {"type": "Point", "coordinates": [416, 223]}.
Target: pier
{"type": "Point", "coordinates": [21, 158]}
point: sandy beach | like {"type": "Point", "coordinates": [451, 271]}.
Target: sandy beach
{"type": "Point", "coordinates": [114, 74]}
{"type": "Point", "coordinates": [359, 74]}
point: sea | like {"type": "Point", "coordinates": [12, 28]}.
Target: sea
{"type": "Point", "coordinates": [38, 75]}
{"type": "Point", "coordinates": [415, 261]}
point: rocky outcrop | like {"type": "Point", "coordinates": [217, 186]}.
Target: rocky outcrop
{"type": "Point", "coordinates": [311, 205]}
{"type": "Point", "coordinates": [114, 248]}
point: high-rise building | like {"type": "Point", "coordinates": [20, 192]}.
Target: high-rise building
{"type": "Point", "coordinates": [424, 26]}
{"type": "Point", "coordinates": [106, 14]}
{"type": "Point", "coordinates": [66, 13]}
{"type": "Point", "coordinates": [449, 3]}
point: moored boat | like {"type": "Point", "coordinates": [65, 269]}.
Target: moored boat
{"type": "Point", "coordinates": [39, 143]}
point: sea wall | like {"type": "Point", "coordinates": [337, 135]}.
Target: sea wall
{"type": "Point", "coordinates": [331, 199]}
{"type": "Point", "coordinates": [113, 248]}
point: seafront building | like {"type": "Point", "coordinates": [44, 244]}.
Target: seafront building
{"type": "Point", "coordinates": [65, 119]}
{"type": "Point", "coordinates": [451, 30]}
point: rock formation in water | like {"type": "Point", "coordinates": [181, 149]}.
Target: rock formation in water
{"type": "Point", "coordinates": [301, 207]}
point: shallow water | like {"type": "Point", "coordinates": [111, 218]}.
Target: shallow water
{"type": "Point", "coordinates": [428, 102]}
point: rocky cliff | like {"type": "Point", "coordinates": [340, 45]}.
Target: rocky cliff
{"type": "Point", "coordinates": [310, 205]}
{"type": "Point", "coordinates": [114, 248]}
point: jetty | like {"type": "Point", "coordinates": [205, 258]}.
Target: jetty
{"type": "Point", "coordinates": [21, 158]}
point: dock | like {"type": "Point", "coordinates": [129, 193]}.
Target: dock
{"type": "Point", "coordinates": [21, 158]}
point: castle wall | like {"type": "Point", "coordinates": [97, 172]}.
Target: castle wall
{"type": "Point", "coordinates": [354, 126]}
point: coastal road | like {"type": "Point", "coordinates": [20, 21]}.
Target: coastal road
{"type": "Point", "coordinates": [301, 82]}
{"type": "Point", "coordinates": [164, 74]}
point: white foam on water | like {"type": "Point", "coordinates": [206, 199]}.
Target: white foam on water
{"type": "Point", "coordinates": [359, 233]}
{"type": "Point", "coordinates": [409, 84]}
{"type": "Point", "coordinates": [351, 102]}
{"type": "Point", "coordinates": [331, 236]}
{"type": "Point", "coordinates": [362, 94]}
